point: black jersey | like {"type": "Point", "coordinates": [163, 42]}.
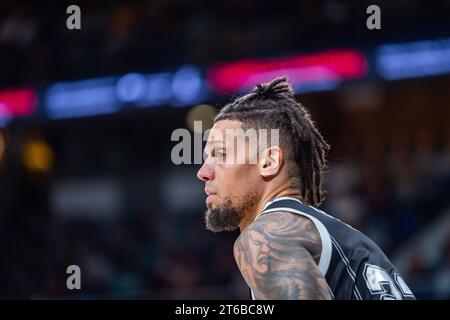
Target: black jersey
{"type": "Point", "coordinates": [352, 264]}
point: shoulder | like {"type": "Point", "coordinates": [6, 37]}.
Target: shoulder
{"type": "Point", "coordinates": [280, 231]}
{"type": "Point", "coordinates": [274, 255]}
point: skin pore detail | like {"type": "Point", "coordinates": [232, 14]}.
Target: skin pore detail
{"type": "Point", "coordinates": [278, 257]}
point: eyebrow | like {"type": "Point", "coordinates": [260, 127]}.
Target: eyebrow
{"type": "Point", "coordinates": [210, 146]}
{"type": "Point", "coordinates": [216, 141]}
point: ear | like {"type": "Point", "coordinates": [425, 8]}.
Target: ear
{"type": "Point", "coordinates": [270, 161]}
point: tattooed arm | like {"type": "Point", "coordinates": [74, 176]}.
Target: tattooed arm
{"type": "Point", "coordinates": [277, 257]}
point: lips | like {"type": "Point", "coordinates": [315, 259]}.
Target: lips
{"type": "Point", "coordinates": [211, 195]}
{"type": "Point", "coordinates": [210, 192]}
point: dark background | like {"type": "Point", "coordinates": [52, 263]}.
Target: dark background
{"type": "Point", "coordinates": [100, 191]}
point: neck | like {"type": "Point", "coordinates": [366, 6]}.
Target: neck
{"type": "Point", "coordinates": [267, 196]}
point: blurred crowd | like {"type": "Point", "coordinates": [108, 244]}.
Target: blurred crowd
{"type": "Point", "coordinates": [394, 192]}
{"type": "Point", "coordinates": [37, 48]}
{"type": "Point", "coordinates": [391, 190]}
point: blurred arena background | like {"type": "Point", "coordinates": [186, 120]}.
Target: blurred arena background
{"type": "Point", "coordinates": [86, 118]}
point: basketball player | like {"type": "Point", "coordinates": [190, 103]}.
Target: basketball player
{"type": "Point", "coordinates": [288, 248]}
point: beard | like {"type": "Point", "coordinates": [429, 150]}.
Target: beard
{"type": "Point", "coordinates": [227, 217]}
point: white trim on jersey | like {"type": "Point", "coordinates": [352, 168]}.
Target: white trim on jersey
{"type": "Point", "coordinates": [349, 269]}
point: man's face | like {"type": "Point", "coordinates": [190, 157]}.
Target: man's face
{"type": "Point", "coordinates": [231, 179]}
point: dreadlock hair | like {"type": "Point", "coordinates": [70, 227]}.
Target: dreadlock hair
{"type": "Point", "coordinates": [272, 105]}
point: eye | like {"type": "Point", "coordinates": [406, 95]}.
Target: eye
{"type": "Point", "coordinates": [220, 154]}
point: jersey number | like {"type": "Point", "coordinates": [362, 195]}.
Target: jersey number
{"type": "Point", "coordinates": [379, 282]}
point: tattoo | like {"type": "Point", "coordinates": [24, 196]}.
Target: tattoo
{"type": "Point", "coordinates": [278, 257]}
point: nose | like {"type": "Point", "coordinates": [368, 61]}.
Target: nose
{"type": "Point", "coordinates": [206, 172]}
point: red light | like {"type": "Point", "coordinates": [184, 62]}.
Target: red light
{"type": "Point", "coordinates": [17, 102]}
{"type": "Point", "coordinates": [330, 65]}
